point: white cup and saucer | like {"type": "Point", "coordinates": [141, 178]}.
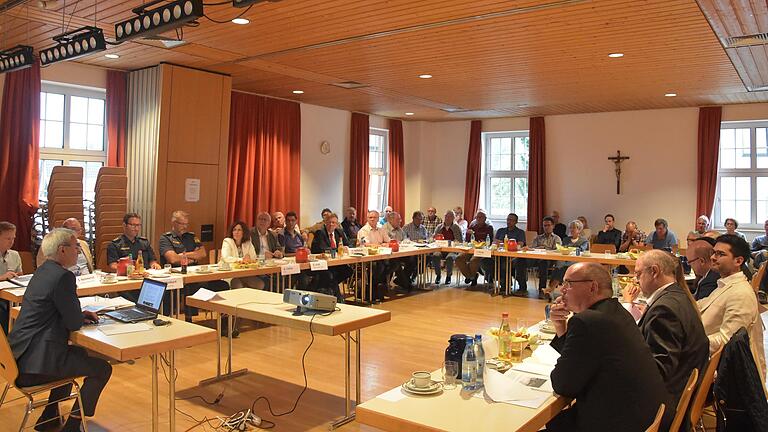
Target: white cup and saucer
{"type": "Point", "coordinates": [421, 383]}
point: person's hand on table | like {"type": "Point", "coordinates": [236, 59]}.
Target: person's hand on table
{"type": "Point", "coordinates": [155, 266]}
{"type": "Point", "coordinates": [90, 317]}
{"type": "Point", "coordinates": [246, 259]}
{"type": "Point", "coordinates": [558, 314]}
{"type": "Point", "coordinates": [277, 254]}
{"type": "Point", "coordinates": [8, 275]}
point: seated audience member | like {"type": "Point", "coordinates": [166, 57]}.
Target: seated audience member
{"type": "Point", "coordinates": [328, 239]}
{"type": "Point", "coordinates": [560, 228]}
{"type": "Point", "coordinates": [699, 256]}
{"type": "Point", "coordinates": [598, 347]}
{"type": "Point", "coordinates": [575, 239]}
{"type": "Point", "coordinates": [177, 244]}
{"type": "Point", "coordinates": [609, 234]}
{"type": "Point", "coordinates": [278, 223]}
{"type": "Point", "coordinates": [511, 232]}
{"type": "Point", "coordinates": [450, 231]}
{"type": "Point", "coordinates": [662, 238]}
{"type": "Point", "coordinates": [131, 244]}
{"type": "Point", "coordinates": [632, 237]}
{"type": "Point", "coordinates": [733, 303]}
{"type": "Point", "coordinates": [238, 246]}
{"type": "Point", "coordinates": [291, 238]}
{"type": "Point", "coordinates": [84, 264]}
{"type": "Point", "coordinates": [671, 324]}
{"type": "Point", "coordinates": [713, 234]}
{"type": "Point", "coordinates": [549, 241]}
{"type": "Point", "coordinates": [416, 230]}
{"type": "Point", "coordinates": [10, 265]}
{"type": "Point", "coordinates": [266, 243]}
{"type": "Point", "coordinates": [431, 221]}
{"type": "Point", "coordinates": [469, 264]}
{"type": "Point", "coordinates": [371, 234]}
{"type": "Point", "coordinates": [692, 236]}
{"type": "Point", "coordinates": [730, 228]}
{"type": "Point", "coordinates": [585, 232]}
{"type": "Point", "coordinates": [702, 223]}
{"type": "Point", "coordinates": [385, 215]}
{"type": "Point", "coordinates": [350, 225]}
{"type": "Point", "coordinates": [320, 224]}
{"type": "Point", "coordinates": [393, 227]}
{"type": "Point", "coordinates": [760, 247]}
{"type": "Point", "coordinates": [460, 221]}
{"type": "Point", "coordinates": [40, 336]}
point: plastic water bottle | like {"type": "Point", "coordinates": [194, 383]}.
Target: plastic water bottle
{"type": "Point", "coordinates": [472, 238]}
{"type": "Point", "coordinates": [469, 366]}
{"type": "Point", "coordinates": [505, 333]}
{"type": "Point", "coordinates": [487, 241]}
{"type": "Point", "coordinates": [480, 357]}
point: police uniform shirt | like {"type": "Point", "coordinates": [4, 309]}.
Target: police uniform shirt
{"type": "Point", "coordinates": [186, 242]}
{"type": "Point", "coordinates": [122, 247]}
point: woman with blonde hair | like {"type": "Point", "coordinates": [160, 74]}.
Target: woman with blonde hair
{"type": "Point", "coordinates": [460, 221]}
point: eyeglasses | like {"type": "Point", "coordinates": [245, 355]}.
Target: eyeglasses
{"type": "Point", "coordinates": [693, 260]}
{"type": "Point", "coordinates": [134, 225]}
{"type": "Point", "coordinates": [567, 283]}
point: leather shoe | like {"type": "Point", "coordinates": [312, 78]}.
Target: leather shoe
{"type": "Point", "coordinates": [520, 293]}
{"type": "Point", "coordinates": [448, 281]}
{"type": "Point", "coordinates": [437, 280]}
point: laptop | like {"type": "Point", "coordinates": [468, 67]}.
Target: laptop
{"type": "Point", "coordinates": [150, 298]}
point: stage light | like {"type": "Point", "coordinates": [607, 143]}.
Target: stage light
{"type": "Point", "coordinates": [18, 57]}
{"type": "Point", "coordinates": [74, 44]}
{"type": "Point", "coordinates": [246, 3]}
{"type": "Point", "coordinates": [149, 22]}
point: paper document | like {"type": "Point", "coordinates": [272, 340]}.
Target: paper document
{"type": "Point", "coordinates": [116, 329]}
{"type": "Point", "coordinates": [517, 388]}
{"type": "Point", "coordinates": [21, 281]}
{"type": "Point", "coordinates": [206, 295]}
{"type": "Point", "coordinates": [6, 285]}
{"type": "Point", "coordinates": [546, 355]}
{"type": "Point", "coordinates": [97, 304]}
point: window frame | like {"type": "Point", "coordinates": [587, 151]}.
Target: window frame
{"type": "Point", "coordinates": [384, 172]}
{"type": "Point", "coordinates": [488, 174]}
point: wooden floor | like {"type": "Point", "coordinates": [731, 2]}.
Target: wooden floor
{"type": "Point", "coordinates": [415, 339]}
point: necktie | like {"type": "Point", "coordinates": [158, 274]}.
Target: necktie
{"type": "Point", "coordinates": [333, 240]}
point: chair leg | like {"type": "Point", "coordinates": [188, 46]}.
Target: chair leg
{"type": "Point", "coordinates": [29, 410]}
{"type": "Point", "coordinates": [80, 405]}
{"type": "Point", "coordinates": [5, 393]}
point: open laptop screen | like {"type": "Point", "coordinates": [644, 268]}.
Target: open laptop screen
{"type": "Point", "coordinates": [151, 294]}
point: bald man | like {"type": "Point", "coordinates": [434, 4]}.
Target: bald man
{"type": "Point", "coordinates": [699, 256]}
{"type": "Point", "coordinates": [84, 264]}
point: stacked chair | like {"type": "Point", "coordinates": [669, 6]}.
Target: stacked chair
{"type": "Point", "coordinates": [111, 204]}
{"type": "Point", "coordinates": [65, 195]}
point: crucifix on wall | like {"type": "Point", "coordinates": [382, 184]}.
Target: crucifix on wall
{"type": "Point", "coordinates": [617, 160]}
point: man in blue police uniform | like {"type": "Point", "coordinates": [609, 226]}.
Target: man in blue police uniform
{"type": "Point", "coordinates": [177, 242]}
{"type": "Point", "coordinates": [131, 243]}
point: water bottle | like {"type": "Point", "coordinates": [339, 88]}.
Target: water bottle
{"type": "Point", "coordinates": [505, 333]}
{"type": "Point", "coordinates": [131, 267]}
{"type": "Point", "coordinates": [506, 242]}
{"type": "Point", "coordinates": [184, 263]}
{"type": "Point", "coordinates": [487, 241]}
{"type": "Point", "coordinates": [472, 238]}
{"type": "Point", "coordinates": [480, 356]}
{"type": "Point", "coordinates": [262, 258]}
{"type": "Point", "coordinates": [469, 366]}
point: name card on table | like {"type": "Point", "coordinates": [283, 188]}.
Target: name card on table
{"type": "Point", "coordinates": [318, 265]}
{"type": "Point", "coordinates": [290, 269]}
{"type": "Point", "coordinates": [358, 251]}
{"type": "Point", "coordinates": [174, 283]}
{"type": "Point", "coordinates": [442, 243]}
{"type": "Point", "coordinates": [483, 253]}
{"type": "Point", "coordinates": [385, 251]}
{"type": "Point", "coordinates": [84, 280]}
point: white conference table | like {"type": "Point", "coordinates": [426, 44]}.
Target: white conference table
{"type": "Point", "coordinates": [268, 307]}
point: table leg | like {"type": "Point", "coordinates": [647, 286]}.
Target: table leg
{"type": "Point", "coordinates": [172, 390]}
{"type": "Point", "coordinates": [357, 368]}
{"type": "Point", "coordinates": [155, 410]}
{"type": "Point", "coordinates": [229, 374]}
{"type": "Point", "coordinates": [349, 415]}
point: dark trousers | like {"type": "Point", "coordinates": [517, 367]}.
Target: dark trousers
{"type": "Point", "coordinates": [543, 266]}
{"type": "Point", "coordinates": [519, 269]}
{"type": "Point", "coordinates": [405, 271]}
{"type": "Point", "coordinates": [95, 370]}
{"type": "Point", "coordinates": [4, 311]}
{"type": "Point", "coordinates": [380, 272]}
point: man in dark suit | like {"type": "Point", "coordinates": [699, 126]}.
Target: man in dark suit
{"type": "Point", "coordinates": [326, 239]}
{"type": "Point", "coordinates": [39, 339]}
{"type": "Point", "coordinates": [671, 325]}
{"type": "Point", "coordinates": [699, 255]}
{"type": "Point", "coordinates": [604, 362]}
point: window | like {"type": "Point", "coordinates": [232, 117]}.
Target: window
{"type": "Point", "coordinates": [504, 188]}
{"type": "Point", "coordinates": [72, 132]}
{"type": "Point", "coordinates": [742, 183]}
{"type": "Point", "coordinates": [378, 168]}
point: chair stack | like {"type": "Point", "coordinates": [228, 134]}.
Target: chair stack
{"type": "Point", "coordinates": [110, 204]}
{"type": "Point", "coordinates": [65, 195]}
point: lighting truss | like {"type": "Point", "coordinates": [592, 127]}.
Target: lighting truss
{"type": "Point", "coordinates": [74, 44]}
{"type": "Point", "coordinates": [18, 57]}
{"type": "Point", "coordinates": [149, 22]}
{"type": "Point", "coordinates": [246, 3]}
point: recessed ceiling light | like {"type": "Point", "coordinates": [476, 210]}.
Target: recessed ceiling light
{"type": "Point", "coordinates": [298, 92]}
{"type": "Point", "coordinates": [670, 94]}
{"type": "Point", "coordinates": [241, 21]}
{"type": "Point", "coordinates": [616, 55]}
{"type": "Point", "coordinates": [409, 113]}
{"type": "Point", "coordinates": [522, 105]}
{"type": "Point", "coordinates": [112, 56]}
{"type": "Point", "coordinates": [425, 76]}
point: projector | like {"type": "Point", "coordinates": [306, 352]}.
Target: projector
{"type": "Point", "coordinates": [309, 301]}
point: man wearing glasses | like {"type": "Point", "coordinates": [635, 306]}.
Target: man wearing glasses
{"type": "Point", "coordinates": [131, 243]}
{"type": "Point", "coordinates": [699, 255]}
{"type": "Point", "coordinates": [604, 364]}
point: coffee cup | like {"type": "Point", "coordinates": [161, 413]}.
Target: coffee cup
{"type": "Point", "coordinates": [224, 266]}
{"type": "Point", "coordinates": [203, 268]}
{"type": "Point", "coordinates": [421, 379]}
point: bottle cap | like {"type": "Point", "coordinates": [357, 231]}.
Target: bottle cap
{"type": "Point", "coordinates": [505, 314]}
{"type": "Point", "coordinates": [478, 337]}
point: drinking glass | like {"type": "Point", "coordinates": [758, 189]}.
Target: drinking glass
{"type": "Point", "coordinates": [167, 268]}
{"type": "Point", "coordinates": [450, 370]}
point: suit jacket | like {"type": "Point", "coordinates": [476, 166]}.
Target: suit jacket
{"type": "Point", "coordinates": [672, 328]}
{"type": "Point", "coordinates": [321, 241]}
{"type": "Point", "coordinates": [50, 310]}
{"type": "Point", "coordinates": [40, 259]}
{"type": "Point", "coordinates": [271, 241]}
{"type": "Point", "coordinates": [229, 249]}
{"type": "Point", "coordinates": [607, 367]}
{"type": "Point", "coordinates": [706, 285]}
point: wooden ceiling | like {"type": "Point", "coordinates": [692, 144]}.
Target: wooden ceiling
{"type": "Point", "coordinates": [488, 58]}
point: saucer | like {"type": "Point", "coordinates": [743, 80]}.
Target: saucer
{"type": "Point", "coordinates": [203, 272]}
{"type": "Point", "coordinates": [547, 328]}
{"type": "Point", "coordinates": [109, 282]}
{"type": "Point", "coordinates": [159, 276]}
{"type": "Point", "coordinates": [433, 388]}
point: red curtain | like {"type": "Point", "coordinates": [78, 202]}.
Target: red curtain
{"type": "Point", "coordinates": [358, 165]}
{"type": "Point", "coordinates": [536, 175]}
{"type": "Point", "coordinates": [396, 192]}
{"type": "Point", "coordinates": [117, 105]}
{"type": "Point", "coordinates": [708, 152]}
{"type": "Point", "coordinates": [474, 163]}
{"type": "Point", "coordinates": [20, 151]}
{"type": "Point", "coordinates": [264, 162]}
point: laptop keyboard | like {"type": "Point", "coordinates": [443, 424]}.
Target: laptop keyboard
{"type": "Point", "coordinates": [133, 314]}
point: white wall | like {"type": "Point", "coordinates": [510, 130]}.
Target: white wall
{"type": "Point", "coordinates": [76, 74]}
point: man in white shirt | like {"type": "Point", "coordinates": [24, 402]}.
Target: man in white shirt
{"type": "Point", "coordinates": [733, 304]}
{"type": "Point", "coordinates": [371, 234]}
{"type": "Point", "coordinates": [10, 265]}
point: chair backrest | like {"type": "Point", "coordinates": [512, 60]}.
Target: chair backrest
{"type": "Point", "coordinates": [8, 368]}
{"type": "Point", "coordinates": [27, 262]}
{"type": "Point", "coordinates": [529, 236]}
{"type": "Point", "coordinates": [654, 427]}
{"type": "Point", "coordinates": [602, 248]}
{"type": "Point", "coordinates": [700, 398]}
{"type": "Point", "coordinates": [683, 403]}
{"type": "Point", "coordinates": [758, 278]}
